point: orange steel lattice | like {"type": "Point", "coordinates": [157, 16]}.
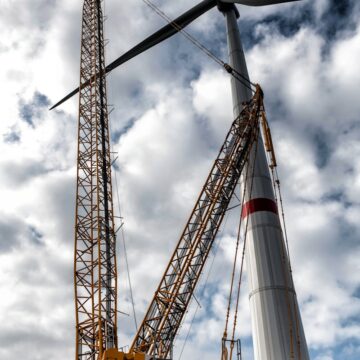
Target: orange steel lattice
{"type": "Point", "coordinates": [95, 272]}
{"type": "Point", "coordinates": [163, 318]}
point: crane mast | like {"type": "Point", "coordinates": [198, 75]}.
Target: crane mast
{"type": "Point", "coordinates": [95, 275]}
{"type": "Point", "coordinates": [166, 311]}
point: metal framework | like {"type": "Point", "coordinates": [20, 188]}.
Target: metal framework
{"type": "Point", "coordinates": [163, 318]}
{"type": "Point", "coordinates": [95, 275]}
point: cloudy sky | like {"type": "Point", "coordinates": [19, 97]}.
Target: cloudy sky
{"type": "Point", "coordinates": [172, 108]}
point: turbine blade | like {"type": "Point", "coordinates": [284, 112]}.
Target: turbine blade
{"type": "Point", "coordinates": [154, 39]}
{"type": "Point", "coordinates": [257, 2]}
{"type": "Point", "coordinates": [67, 97]}
{"type": "Point", "coordinates": [164, 33]}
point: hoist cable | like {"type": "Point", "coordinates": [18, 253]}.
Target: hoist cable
{"type": "Point", "coordinates": [188, 333]}
{"type": "Point", "coordinates": [273, 181]}
{"type": "Point", "coordinates": [289, 264]}
{"type": "Point", "coordinates": [285, 254]}
{"type": "Point", "coordinates": [235, 258]}
{"type": "Point", "coordinates": [244, 245]}
{"type": "Point", "coordinates": [277, 181]}
{"type": "Point", "coordinates": [203, 289]}
{"type": "Point", "coordinates": [233, 72]}
{"type": "Point", "coordinates": [123, 239]}
{"type": "Point", "coordinates": [122, 224]}
{"type": "Point", "coordinates": [125, 256]}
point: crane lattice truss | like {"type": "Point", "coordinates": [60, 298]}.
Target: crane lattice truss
{"type": "Point", "coordinates": [95, 261]}
{"type": "Point", "coordinates": [163, 318]}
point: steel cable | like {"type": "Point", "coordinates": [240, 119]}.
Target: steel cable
{"type": "Point", "coordinates": [233, 72]}
{"type": "Point", "coordinates": [125, 254]}
{"type": "Point", "coordinates": [278, 198]}
{"type": "Point", "coordinates": [244, 245]}
{"type": "Point", "coordinates": [203, 289]}
{"type": "Point", "coordinates": [235, 258]}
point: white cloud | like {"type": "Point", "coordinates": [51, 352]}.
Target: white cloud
{"type": "Point", "coordinates": [177, 107]}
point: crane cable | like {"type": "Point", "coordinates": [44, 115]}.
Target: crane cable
{"type": "Point", "coordinates": [272, 163]}
{"type": "Point", "coordinates": [278, 198]}
{"type": "Point", "coordinates": [125, 256]}
{"type": "Point", "coordinates": [233, 72]}
{"type": "Point", "coordinates": [203, 289]}
{"type": "Point", "coordinates": [244, 247]}
{"type": "Point", "coordinates": [235, 259]}
{"type": "Point", "coordinates": [277, 182]}
{"type": "Point", "coordinates": [297, 327]}
{"type": "Point", "coordinates": [121, 227]}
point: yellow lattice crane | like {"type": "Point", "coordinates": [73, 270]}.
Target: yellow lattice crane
{"type": "Point", "coordinates": [95, 260]}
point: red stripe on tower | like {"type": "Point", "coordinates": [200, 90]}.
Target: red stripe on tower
{"type": "Point", "coordinates": [259, 204]}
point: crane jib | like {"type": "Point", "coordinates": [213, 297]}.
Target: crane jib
{"type": "Point", "coordinates": [163, 318]}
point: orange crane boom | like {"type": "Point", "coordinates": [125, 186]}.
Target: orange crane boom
{"type": "Point", "coordinates": [167, 309]}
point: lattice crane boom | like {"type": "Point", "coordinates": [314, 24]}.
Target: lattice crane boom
{"type": "Point", "coordinates": [95, 261]}
{"type": "Point", "coordinates": [166, 311]}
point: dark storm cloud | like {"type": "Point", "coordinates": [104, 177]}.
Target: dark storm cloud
{"type": "Point", "coordinates": [16, 173]}
{"type": "Point", "coordinates": [36, 236]}
{"type": "Point", "coordinates": [15, 232]}
{"type": "Point", "coordinates": [287, 24]}
{"type": "Point", "coordinates": [32, 110]}
{"type": "Point", "coordinates": [337, 18]}
{"type": "Point", "coordinates": [10, 234]}
{"type": "Point", "coordinates": [12, 137]}
{"type": "Point", "coordinates": [322, 144]}
{"type": "Point", "coordinates": [37, 15]}
{"type": "Point", "coordinates": [116, 135]}
{"type": "Point", "coordinates": [32, 337]}
{"type": "Point", "coordinates": [336, 196]}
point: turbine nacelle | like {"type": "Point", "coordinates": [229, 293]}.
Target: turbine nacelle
{"type": "Point", "coordinates": [256, 2]}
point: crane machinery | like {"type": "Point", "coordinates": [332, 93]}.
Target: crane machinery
{"type": "Point", "coordinates": [277, 327]}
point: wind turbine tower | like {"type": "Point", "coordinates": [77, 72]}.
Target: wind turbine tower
{"type": "Point", "coordinates": [276, 321]}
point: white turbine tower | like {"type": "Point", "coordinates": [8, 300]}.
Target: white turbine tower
{"type": "Point", "coordinates": [276, 321]}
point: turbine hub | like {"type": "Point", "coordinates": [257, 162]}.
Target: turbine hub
{"type": "Point", "coordinates": [225, 7]}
